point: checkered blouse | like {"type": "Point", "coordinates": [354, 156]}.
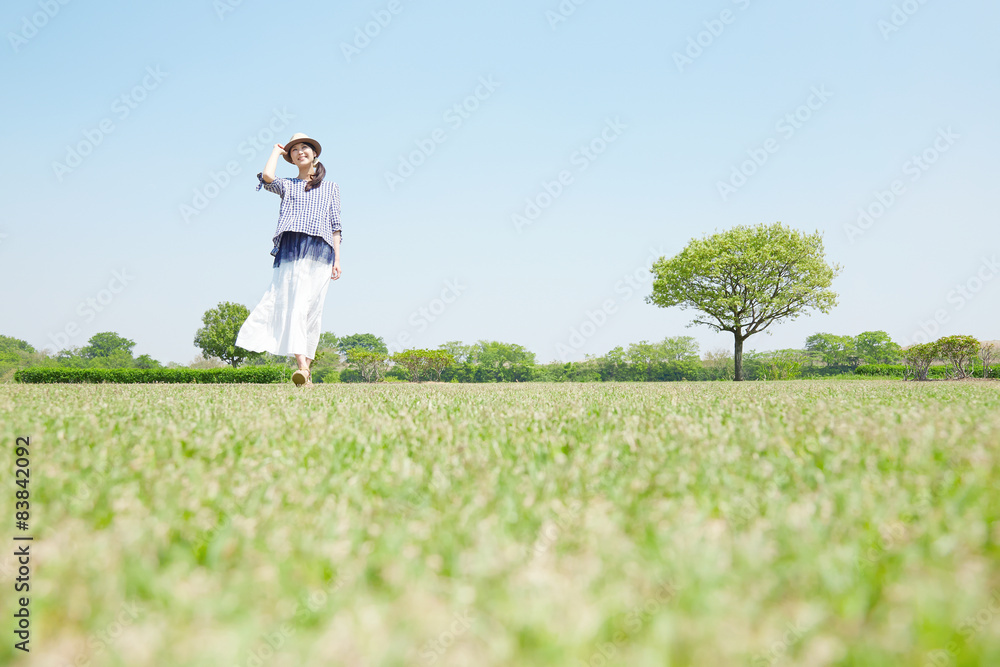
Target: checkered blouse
{"type": "Point", "coordinates": [316, 212]}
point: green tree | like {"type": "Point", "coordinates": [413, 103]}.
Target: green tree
{"type": "Point", "coordinates": [11, 348]}
{"type": "Point", "coordinates": [421, 363]}
{"type": "Point", "coordinates": [918, 360]}
{"type": "Point", "coordinates": [413, 361]}
{"type": "Point", "coordinates": [268, 359]}
{"type": "Point", "coordinates": [16, 353]}
{"type": "Point", "coordinates": [782, 364]}
{"type": "Point", "coordinates": [832, 350]}
{"type": "Point", "coordinates": [146, 361]}
{"type": "Point", "coordinates": [987, 352]}
{"type": "Point", "coordinates": [648, 359]}
{"type": "Point", "coordinates": [718, 365]}
{"type": "Point", "coordinates": [745, 279]}
{"type": "Point", "coordinates": [504, 362]}
{"type": "Point", "coordinates": [365, 341]}
{"type": "Point", "coordinates": [328, 342]}
{"type": "Point", "coordinates": [117, 359]}
{"type": "Point", "coordinates": [876, 347]}
{"type": "Point", "coordinates": [107, 344]}
{"type": "Point", "coordinates": [614, 365]}
{"type": "Point", "coordinates": [459, 352]}
{"type": "Point", "coordinates": [217, 338]}
{"type": "Point", "coordinates": [438, 361]}
{"type": "Point", "coordinates": [71, 358]}
{"type": "Point", "coordinates": [642, 353]}
{"type": "Point", "coordinates": [679, 348]}
{"type": "Point", "coordinates": [961, 351]}
{"type": "Point", "coordinates": [370, 365]}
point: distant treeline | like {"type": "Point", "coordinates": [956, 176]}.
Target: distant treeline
{"type": "Point", "coordinates": [365, 357]}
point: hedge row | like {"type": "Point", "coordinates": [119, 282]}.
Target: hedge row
{"type": "Point", "coordinates": [248, 374]}
{"type": "Point", "coordinates": [935, 372]}
{"type": "Point", "coordinates": [881, 370]}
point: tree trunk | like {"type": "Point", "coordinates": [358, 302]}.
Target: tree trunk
{"type": "Point", "coordinates": [738, 359]}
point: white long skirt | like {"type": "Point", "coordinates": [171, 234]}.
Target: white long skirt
{"type": "Point", "coordinates": [289, 317]}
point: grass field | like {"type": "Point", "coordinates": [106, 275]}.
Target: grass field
{"type": "Point", "coordinates": [797, 523]}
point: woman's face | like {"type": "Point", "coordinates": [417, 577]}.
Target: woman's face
{"type": "Point", "coordinates": [302, 153]}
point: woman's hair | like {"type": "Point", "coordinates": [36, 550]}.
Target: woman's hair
{"type": "Point", "coordinates": [317, 177]}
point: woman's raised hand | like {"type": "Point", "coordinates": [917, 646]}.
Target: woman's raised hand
{"type": "Point", "coordinates": [278, 148]}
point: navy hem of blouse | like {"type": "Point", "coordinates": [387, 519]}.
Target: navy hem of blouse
{"type": "Point", "coordinates": [298, 245]}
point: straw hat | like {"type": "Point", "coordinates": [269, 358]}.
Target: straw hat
{"type": "Point", "coordinates": [296, 138]}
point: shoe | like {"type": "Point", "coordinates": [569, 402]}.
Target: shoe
{"type": "Point", "coordinates": [300, 377]}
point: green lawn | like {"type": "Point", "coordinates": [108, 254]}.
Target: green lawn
{"type": "Point", "coordinates": [796, 523]}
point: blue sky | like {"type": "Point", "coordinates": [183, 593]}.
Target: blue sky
{"type": "Point", "coordinates": [135, 132]}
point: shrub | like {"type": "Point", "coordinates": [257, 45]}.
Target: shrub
{"type": "Point", "coordinates": [325, 375]}
{"type": "Point", "coordinates": [961, 351]}
{"type": "Point", "coordinates": [222, 327]}
{"type": "Point", "coordinates": [933, 372]}
{"type": "Point", "coordinates": [372, 366]}
{"type": "Point", "coordinates": [881, 370]}
{"type": "Point", "coordinates": [918, 359]}
{"type": "Point", "coordinates": [248, 375]}
{"type": "Point", "coordinates": [350, 375]}
{"type": "Point", "coordinates": [825, 371]}
{"type": "Point", "coordinates": [987, 352]}
{"type": "Point", "coordinates": [781, 364]}
{"type": "Point", "coordinates": [423, 363]}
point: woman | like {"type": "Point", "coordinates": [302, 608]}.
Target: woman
{"type": "Point", "coordinates": [306, 258]}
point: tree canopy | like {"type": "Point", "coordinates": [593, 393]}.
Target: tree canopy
{"type": "Point", "coordinates": [365, 341]}
{"type": "Point", "coordinates": [833, 350]}
{"type": "Point", "coordinates": [876, 347]}
{"type": "Point", "coordinates": [371, 365]}
{"type": "Point", "coordinates": [496, 355]}
{"type": "Point", "coordinates": [422, 363]}
{"type": "Point", "coordinates": [217, 338]}
{"type": "Point", "coordinates": [745, 279]}
{"type": "Point", "coordinates": [458, 350]}
{"type": "Point", "coordinates": [107, 344]}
